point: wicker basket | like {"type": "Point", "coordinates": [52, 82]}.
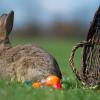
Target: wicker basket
{"type": "Point", "coordinates": [89, 73]}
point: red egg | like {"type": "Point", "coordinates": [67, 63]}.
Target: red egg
{"type": "Point", "coordinates": [57, 86]}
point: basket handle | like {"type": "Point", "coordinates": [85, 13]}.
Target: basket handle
{"type": "Point", "coordinates": [71, 59]}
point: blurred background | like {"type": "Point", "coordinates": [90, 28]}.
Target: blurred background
{"type": "Point", "coordinates": [51, 18]}
{"type": "Point", "coordinates": [55, 25]}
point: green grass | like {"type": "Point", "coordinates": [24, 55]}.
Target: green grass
{"type": "Point", "coordinates": [72, 90]}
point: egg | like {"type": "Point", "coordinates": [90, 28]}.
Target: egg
{"type": "Point", "coordinates": [57, 86]}
{"type": "Point", "coordinates": [51, 80]}
{"type": "Point", "coordinates": [36, 85]}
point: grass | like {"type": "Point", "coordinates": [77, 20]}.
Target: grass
{"type": "Point", "coordinates": [60, 49]}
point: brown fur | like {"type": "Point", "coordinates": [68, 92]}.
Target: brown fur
{"type": "Point", "coordinates": [23, 62]}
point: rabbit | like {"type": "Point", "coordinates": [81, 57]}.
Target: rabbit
{"type": "Point", "coordinates": [23, 62]}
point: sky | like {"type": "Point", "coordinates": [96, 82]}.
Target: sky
{"type": "Point", "coordinates": [46, 11]}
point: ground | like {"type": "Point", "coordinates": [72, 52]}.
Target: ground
{"type": "Point", "coordinates": [72, 90]}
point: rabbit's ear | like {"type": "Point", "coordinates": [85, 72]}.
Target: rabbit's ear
{"type": "Point", "coordinates": [9, 22]}
{"type": "Point", "coordinates": [2, 19]}
{"type": "Point", "coordinates": [6, 24]}
{"type": "Point", "coordinates": [2, 26]}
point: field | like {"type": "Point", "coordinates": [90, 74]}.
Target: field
{"type": "Point", "coordinates": [72, 89]}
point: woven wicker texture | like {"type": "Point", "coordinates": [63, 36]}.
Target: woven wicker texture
{"type": "Point", "coordinates": [89, 73]}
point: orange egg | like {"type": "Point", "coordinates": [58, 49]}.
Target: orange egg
{"type": "Point", "coordinates": [51, 80]}
{"type": "Point", "coordinates": [36, 84]}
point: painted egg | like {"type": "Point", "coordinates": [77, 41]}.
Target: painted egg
{"type": "Point", "coordinates": [51, 80]}
{"type": "Point", "coordinates": [57, 86]}
{"type": "Point", "coordinates": [27, 82]}
{"type": "Point", "coordinates": [63, 85]}
{"type": "Point", "coordinates": [36, 85]}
